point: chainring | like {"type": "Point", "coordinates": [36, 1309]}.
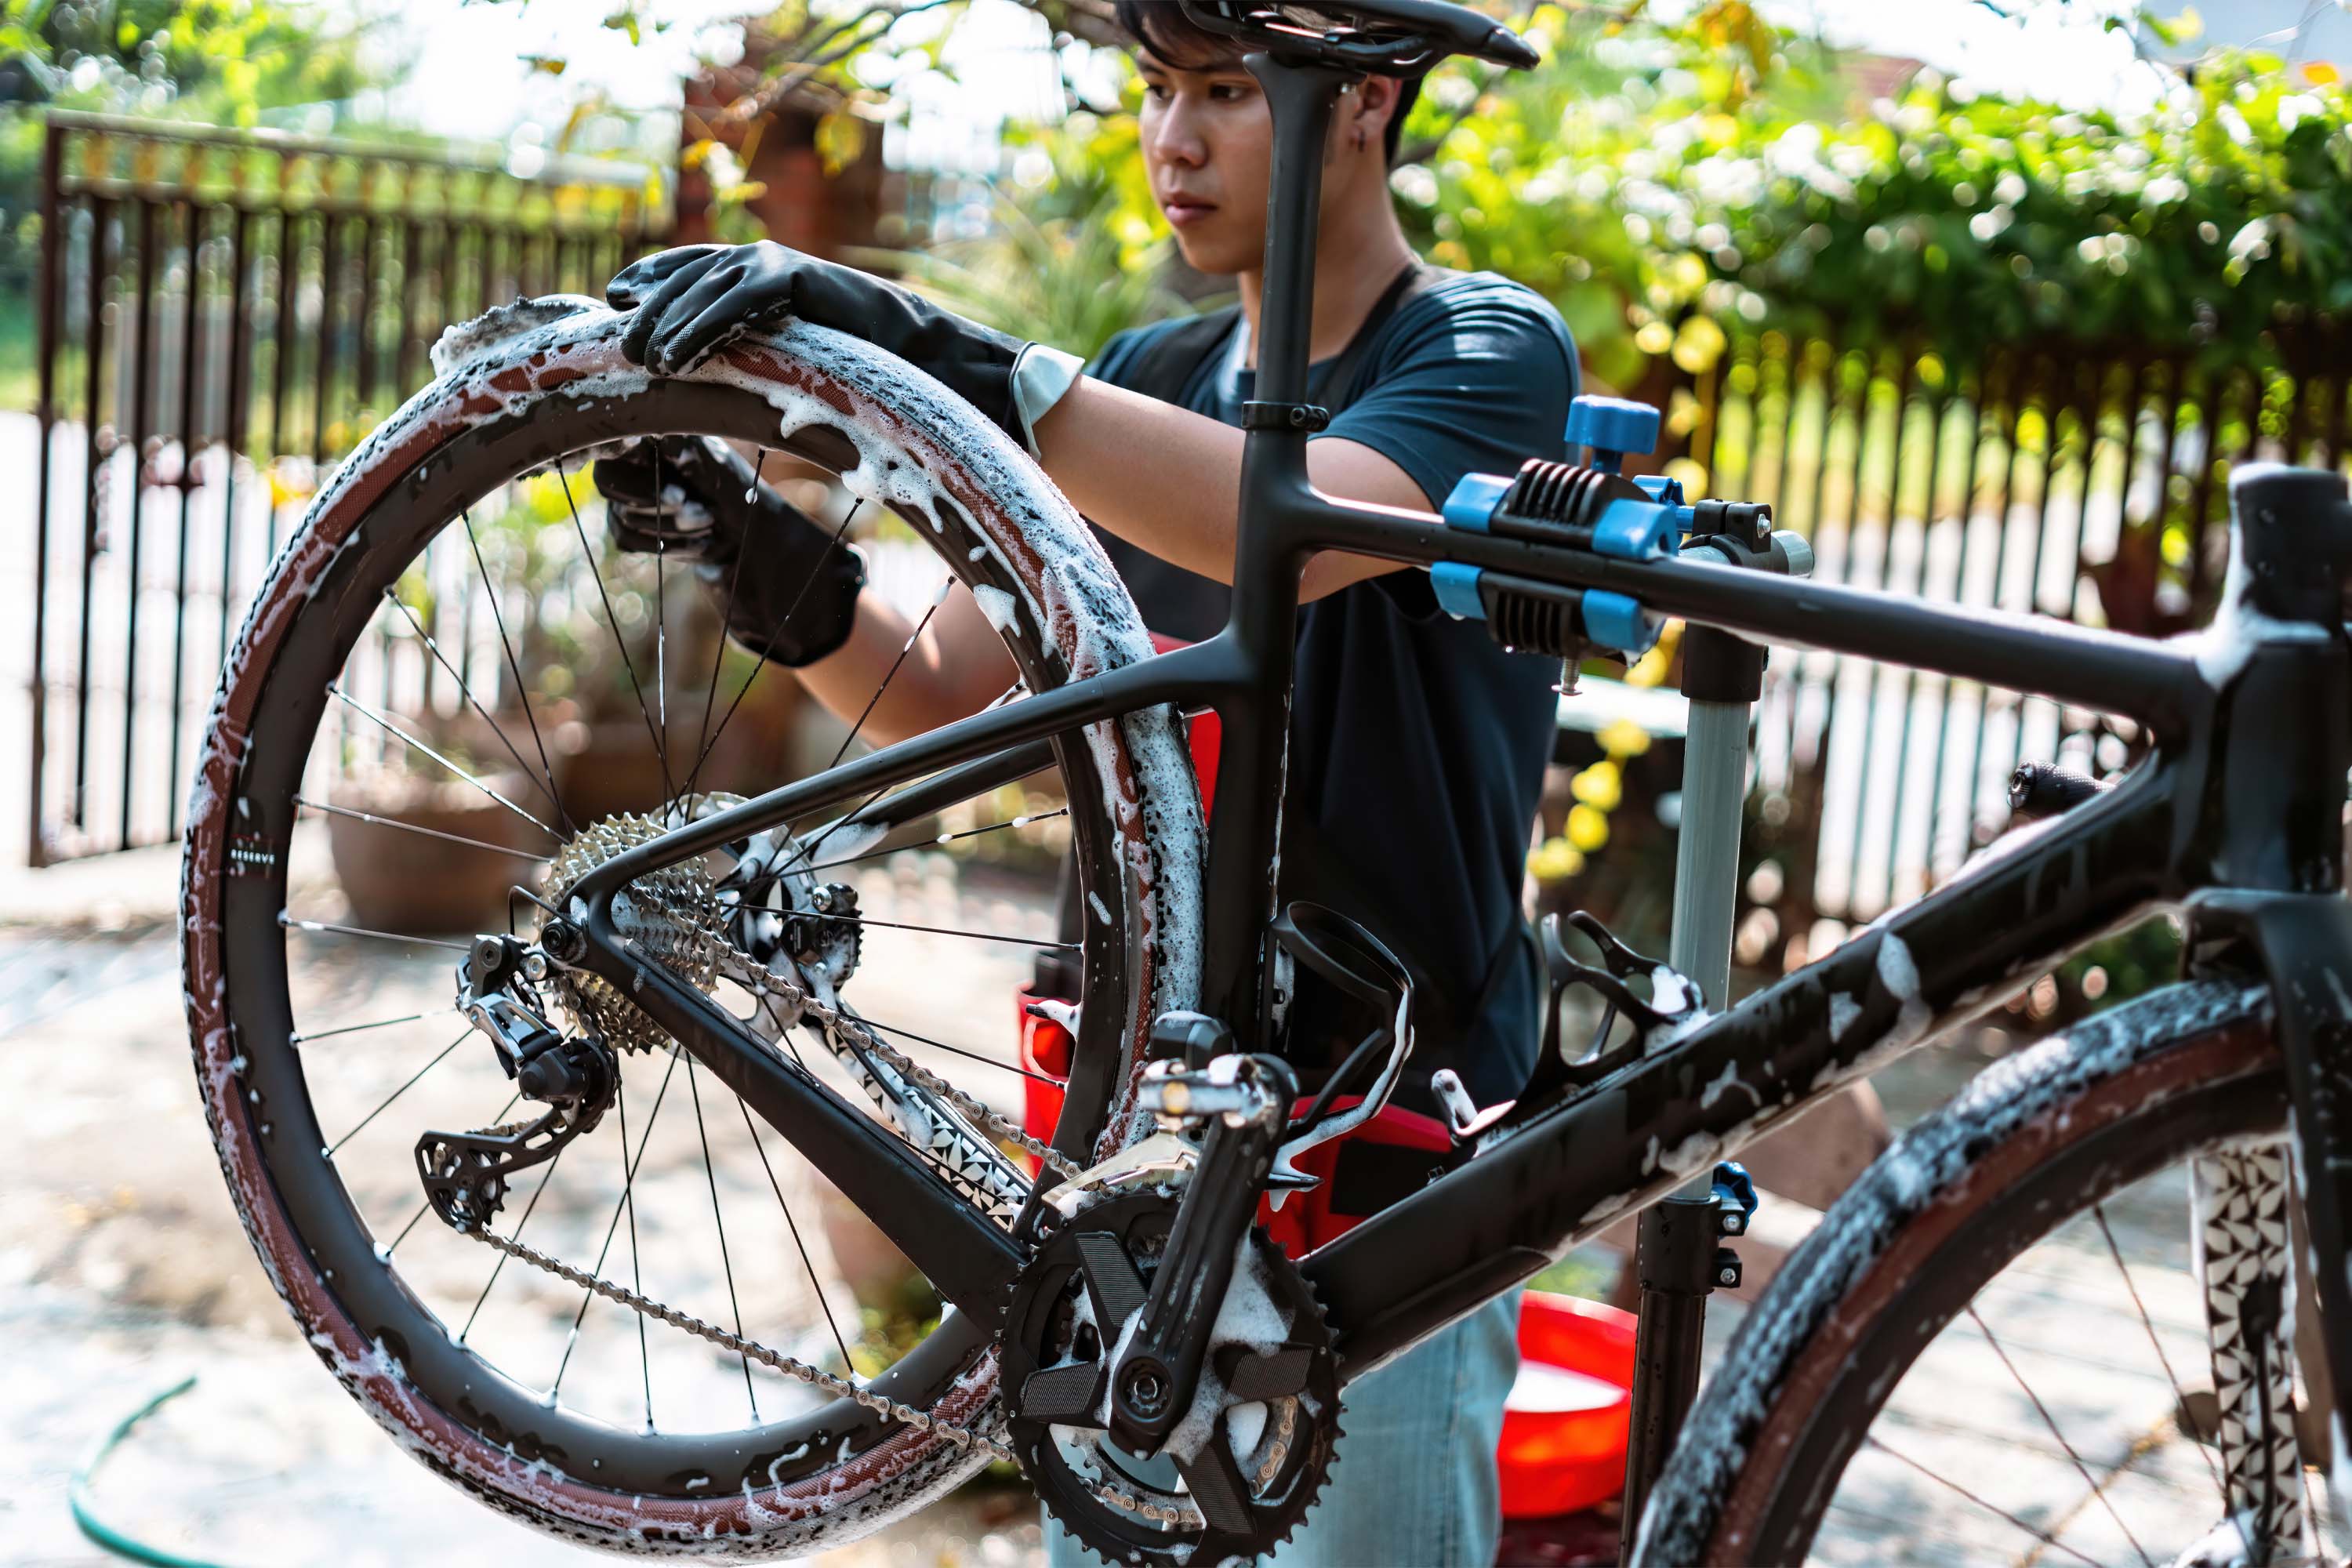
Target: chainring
{"type": "Point", "coordinates": [1264, 1423]}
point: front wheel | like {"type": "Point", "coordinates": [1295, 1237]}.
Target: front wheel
{"type": "Point", "coordinates": [1984, 1351]}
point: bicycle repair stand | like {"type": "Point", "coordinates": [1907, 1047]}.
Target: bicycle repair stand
{"type": "Point", "coordinates": [1679, 1256]}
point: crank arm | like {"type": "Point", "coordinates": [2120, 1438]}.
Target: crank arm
{"type": "Point", "coordinates": [1153, 1382]}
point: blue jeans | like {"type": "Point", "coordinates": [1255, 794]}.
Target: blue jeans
{"type": "Point", "coordinates": [1415, 1483]}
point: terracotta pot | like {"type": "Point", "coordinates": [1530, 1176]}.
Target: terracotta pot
{"type": "Point", "coordinates": [415, 883]}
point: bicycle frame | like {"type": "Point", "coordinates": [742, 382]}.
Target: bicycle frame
{"type": "Point", "coordinates": [2235, 815]}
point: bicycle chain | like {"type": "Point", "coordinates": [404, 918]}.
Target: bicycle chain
{"type": "Point", "coordinates": [963, 1437]}
{"type": "Point", "coordinates": [988, 1120]}
{"type": "Point", "coordinates": [815, 1376]}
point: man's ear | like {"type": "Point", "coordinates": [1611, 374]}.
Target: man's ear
{"type": "Point", "coordinates": [1376, 101]}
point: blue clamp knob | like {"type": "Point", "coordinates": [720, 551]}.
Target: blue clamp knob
{"type": "Point", "coordinates": [1611, 426]}
{"type": "Point", "coordinates": [1735, 1197]}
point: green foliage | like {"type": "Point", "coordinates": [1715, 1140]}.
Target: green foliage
{"type": "Point", "coordinates": [1071, 268]}
{"type": "Point", "coordinates": [1650, 176]}
{"type": "Point", "coordinates": [218, 62]}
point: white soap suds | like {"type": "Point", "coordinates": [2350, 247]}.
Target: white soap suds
{"type": "Point", "coordinates": [995, 603]}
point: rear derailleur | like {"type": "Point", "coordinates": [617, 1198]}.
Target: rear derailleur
{"type": "Point", "coordinates": [466, 1174]}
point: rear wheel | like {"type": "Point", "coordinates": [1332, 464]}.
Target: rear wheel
{"type": "Point", "coordinates": [1983, 1352]}
{"type": "Point", "coordinates": [406, 718]}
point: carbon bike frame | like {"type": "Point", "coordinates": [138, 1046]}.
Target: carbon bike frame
{"type": "Point", "coordinates": [2234, 816]}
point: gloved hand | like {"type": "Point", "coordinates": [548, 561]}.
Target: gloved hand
{"type": "Point", "coordinates": [786, 587]}
{"type": "Point", "coordinates": [691, 299]}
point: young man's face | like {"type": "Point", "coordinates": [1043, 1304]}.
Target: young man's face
{"type": "Point", "coordinates": [1208, 146]}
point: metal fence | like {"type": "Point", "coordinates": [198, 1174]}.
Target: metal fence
{"type": "Point", "coordinates": [2049, 479]}
{"type": "Point", "coordinates": [220, 316]}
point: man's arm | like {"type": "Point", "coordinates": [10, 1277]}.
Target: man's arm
{"type": "Point", "coordinates": [1169, 480]}
{"type": "Point", "coordinates": [1160, 477]}
{"type": "Point", "coordinates": [957, 667]}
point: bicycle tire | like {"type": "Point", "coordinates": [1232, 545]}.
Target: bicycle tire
{"type": "Point", "coordinates": [2030, 1143]}
{"type": "Point", "coordinates": [523, 396]}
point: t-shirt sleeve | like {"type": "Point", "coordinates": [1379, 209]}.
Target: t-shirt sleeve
{"type": "Point", "coordinates": [1110, 361]}
{"type": "Point", "coordinates": [1466, 385]}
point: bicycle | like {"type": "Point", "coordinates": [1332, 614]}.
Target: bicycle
{"type": "Point", "coordinates": [1121, 1305]}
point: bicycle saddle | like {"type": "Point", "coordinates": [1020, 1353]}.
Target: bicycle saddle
{"type": "Point", "coordinates": [1391, 37]}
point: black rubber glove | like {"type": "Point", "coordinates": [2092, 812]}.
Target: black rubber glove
{"type": "Point", "coordinates": [786, 585]}
{"type": "Point", "coordinates": [690, 299]}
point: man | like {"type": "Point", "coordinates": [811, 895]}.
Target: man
{"type": "Point", "coordinates": [1418, 746]}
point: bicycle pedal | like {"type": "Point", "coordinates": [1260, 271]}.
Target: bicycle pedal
{"type": "Point", "coordinates": [1234, 1089]}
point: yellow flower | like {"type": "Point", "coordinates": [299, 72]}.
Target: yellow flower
{"type": "Point", "coordinates": [1555, 860]}
{"type": "Point", "coordinates": [1587, 829]}
{"type": "Point", "coordinates": [1622, 738]}
{"type": "Point", "coordinates": [1599, 786]}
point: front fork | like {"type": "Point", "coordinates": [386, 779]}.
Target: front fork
{"type": "Point", "coordinates": [2303, 943]}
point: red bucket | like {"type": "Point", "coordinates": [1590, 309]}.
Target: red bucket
{"type": "Point", "coordinates": [1565, 1424]}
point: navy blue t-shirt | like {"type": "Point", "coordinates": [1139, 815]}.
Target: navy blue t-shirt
{"type": "Point", "coordinates": [1417, 745]}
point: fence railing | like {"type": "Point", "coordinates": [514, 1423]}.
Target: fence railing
{"type": "Point", "coordinates": [2047, 479]}
{"type": "Point", "coordinates": [220, 315]}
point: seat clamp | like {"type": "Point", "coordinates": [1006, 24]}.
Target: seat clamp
{"type": "Point", "coordinates": [1304, 416]}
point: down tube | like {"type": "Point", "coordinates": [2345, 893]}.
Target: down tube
{"type": "Point", "coordinates": [1631, 1139]}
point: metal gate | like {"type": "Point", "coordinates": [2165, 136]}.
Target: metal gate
{"type": "Point", "coordinates": [221, 315]}
{"type": "Point", "coordinates": [2058, 478]}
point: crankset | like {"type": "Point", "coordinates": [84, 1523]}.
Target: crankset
{"type": "Point", "coordinates": [1248, 1456]}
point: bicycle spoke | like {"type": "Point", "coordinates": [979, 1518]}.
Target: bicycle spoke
{"type": "Point", "coordinates": [613, 623]}
{"type": "Point", "coordinates": [521, 1224]}
{"type": "Point", "coordinates": [940, 930]}
{"type": "Point", "coordinates": [514, 666]}
{"type": "Point", "coordinates": [956, 1050]}
{"type": "Point", "coordinates": [291, 923]}
{"type": "Point", "coordinates": [718, 644]}
{"type": "Point", "coordinates": [374, 820]}
{"type": "Point", "coordinates": [628, 1180]}
{"type": "Point", "coordinates": [944, 838]}
{"type": "Point", "coordinates": [848, 1367]}
{"type": "Point", "coordinates": [546, 786]}
{"type": "Point", "coordinates": [661, 622]}
{"type": "Point", "coordinates": [636, 1271]}
{"type": "Point", "coordinates": [2083, 1470]}
{"type": "Point", "coordinates": [355, 1029]}
{"type": "Point", "coordinates": [761, 663]}
{"type": "Point", "coordinates": [392, 728]}
{"type": "Point", "coordinates": [2099, 1213]}
{"type": "Point", "coordinates": [727, 1263]}
{"type": "Point", "coordinates": [396, 1093]}
{"type": "Point", "coordinates": [892, 673]}
{"type": "Point", "coordinates": [1995, 1509]}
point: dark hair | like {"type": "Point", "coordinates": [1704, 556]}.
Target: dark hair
{"type": "Point", "coordinates": [1163, 31]}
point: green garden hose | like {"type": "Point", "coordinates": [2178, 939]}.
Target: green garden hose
{"type": "Point", "coordinates": [86, 1514]}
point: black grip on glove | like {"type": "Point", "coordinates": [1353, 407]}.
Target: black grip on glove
{"type": "Point", "coordinates": [786, 585]}
{"type": "Point", "coordinates": [689, 299]}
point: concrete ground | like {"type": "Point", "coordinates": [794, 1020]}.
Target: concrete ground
{"type": "Point", "coordinates": [123, 1270]}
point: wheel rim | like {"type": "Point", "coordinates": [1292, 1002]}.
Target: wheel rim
{"type": "Point", "coordinates": [1954, 1311]}
{"type": "Point", "coordinates": [273, 1088]}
